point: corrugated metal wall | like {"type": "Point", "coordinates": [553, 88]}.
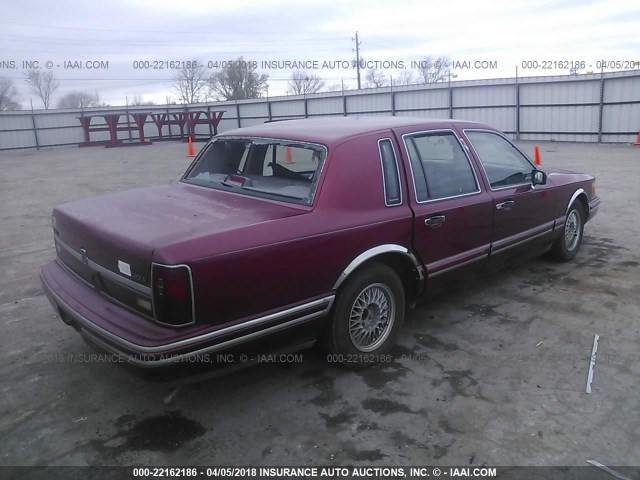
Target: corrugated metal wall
{"type": "Point", "coordinates": [581, 108]}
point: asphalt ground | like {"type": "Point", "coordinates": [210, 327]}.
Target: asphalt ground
{"type": "Point", "coordinates": [494, 374]}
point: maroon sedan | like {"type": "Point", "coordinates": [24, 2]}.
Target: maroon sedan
{"type": "Point", "coordinates": [320, 228]}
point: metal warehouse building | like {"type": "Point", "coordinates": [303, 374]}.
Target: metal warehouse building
{"type": "Point", "coordinates": [577, 108]}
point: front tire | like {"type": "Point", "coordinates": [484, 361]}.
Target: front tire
{"type": "Point", "coordinates": [367, 316]}
{"type": "Point", "coordinates": [566, 246]}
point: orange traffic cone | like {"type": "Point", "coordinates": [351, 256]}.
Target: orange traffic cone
{"type": "Point", "coordinates": [190, 151]}
{"type": "Point", "coordinates": [536, 156]}
{"type": "Point", "coordinates": [288, 156]}
{"type": "Point", "coordinates": [638, 139]}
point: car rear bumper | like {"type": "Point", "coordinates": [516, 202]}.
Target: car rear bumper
{"type": "Point", "coordinates": [140, 342]}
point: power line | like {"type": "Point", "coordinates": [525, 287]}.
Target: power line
{"type": "Point", "coordinates": [357, 50]}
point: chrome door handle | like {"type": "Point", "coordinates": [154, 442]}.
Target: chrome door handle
{"type": "Point", "coordinates": [435, 220]}
{"type": "Point", "coordinates": [508, 205]}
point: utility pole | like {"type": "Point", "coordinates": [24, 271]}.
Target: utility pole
{"type": "Point", "coordinates": [357, 50]}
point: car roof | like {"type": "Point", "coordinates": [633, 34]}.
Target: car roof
{"type": "Point", "coordinates": [334, 129]}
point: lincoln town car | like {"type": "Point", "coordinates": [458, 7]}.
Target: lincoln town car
{"type": "Point", "coordinates": [312, 229]}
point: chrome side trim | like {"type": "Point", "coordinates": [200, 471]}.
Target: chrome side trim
{"type": "Point", "coordinates": [575, 195]}
{"type": "Point", "coordinates": [541, 234]}
{"type": "Point", "coordinates": [212, 348]}
{"type": "Point", "coordinates": [193, 299]}
{"type": "Point", "coordinates": [515, 185]}
{"type": "Point", "coordinates": [461, 264]}
{"type": "Point", "coordinates": [188, 341]}
{"type": "Point", "coordinates": [543, 229]}
{"type": "Point", "coordinates": [104, 271]}
{"type": "Point", "coordinates": [466, 153]}
{"type": "Point", "coordinates": [395, 159]}
{"type": "Point", "coordinates": [373, 252]}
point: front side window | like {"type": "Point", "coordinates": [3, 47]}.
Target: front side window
{"type": "Point", "coordinates": [276, 169]}
{"type": "Point", "coordinates": [502, 162]}
{"type": "Point", "coordinates": [441, 169]}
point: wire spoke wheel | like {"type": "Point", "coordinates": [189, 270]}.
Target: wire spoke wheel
{"type": "Point", "coordinates": [572, 230]}
{"type": "Point", "coordinates": [371, 318]}
{"type": "Point", "coordinates": [566, 245]}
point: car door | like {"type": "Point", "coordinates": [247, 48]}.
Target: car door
{"type": "Point", "coordinates": [522, 213]}
{"type": "Point", "coordinates": [453, 215]}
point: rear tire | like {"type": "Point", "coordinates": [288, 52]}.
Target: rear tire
{"type": "Point", "coordinates": [367, 316]}
{"type": "Point", "coordinates": [566, 246]}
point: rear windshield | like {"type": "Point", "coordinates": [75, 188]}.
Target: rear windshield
{"type": "Point", "coordinates": [277, 169]}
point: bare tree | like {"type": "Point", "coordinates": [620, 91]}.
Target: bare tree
{"type": "Point", "coordinates": [239, 80]}
{"type": "Point", "coordinates": [336, 87]}
{"type": "Point", "coordinates": [433, 71]}
{"type": "Point", "coordinates": [406, 77]}
{"type": "Point", "coordinates": [78, 99]}
{"type": "Point", "coordinates": [376, 78]}
{"type": "Point", "coordinates": [98, 102]}
{"type": "Point", "coordinates": [303, 83]}
{"type": "Point", "coordinates": [191, 82]}
{"type": "Point", "coordinates": [42, 84]}
{"type": "Point", "coordinates": [138, 100]}
{"type": "Point", "coordinates": [8, 95]}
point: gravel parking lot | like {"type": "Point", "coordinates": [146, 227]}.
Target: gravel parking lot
{"type": "Point", "coordinates": [494, 374]}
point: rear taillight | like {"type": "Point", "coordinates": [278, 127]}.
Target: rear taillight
{"type": "Point", "coordinates": [172, 294]}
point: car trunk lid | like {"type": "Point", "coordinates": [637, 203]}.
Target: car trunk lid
{"type": "Point", "coordinates": [108, 241]}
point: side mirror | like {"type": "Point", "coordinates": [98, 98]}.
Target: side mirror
{"type": "Point", "coordinates": [538, 177]}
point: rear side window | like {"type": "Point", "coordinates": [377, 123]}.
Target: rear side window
{"type": "Point", "coordinates": [390, 174]}
{"type": "Point", "coordinates": [441, 169]}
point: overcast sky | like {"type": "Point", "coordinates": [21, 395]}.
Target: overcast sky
{"type": "Point", "coordinates": [507, 32]}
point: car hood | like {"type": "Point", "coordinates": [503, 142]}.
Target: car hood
{"type": "Point", "coordinates": [132, 224]}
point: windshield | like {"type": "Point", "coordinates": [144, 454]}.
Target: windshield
{"type": "Point", "coordinates": [279, 169]}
